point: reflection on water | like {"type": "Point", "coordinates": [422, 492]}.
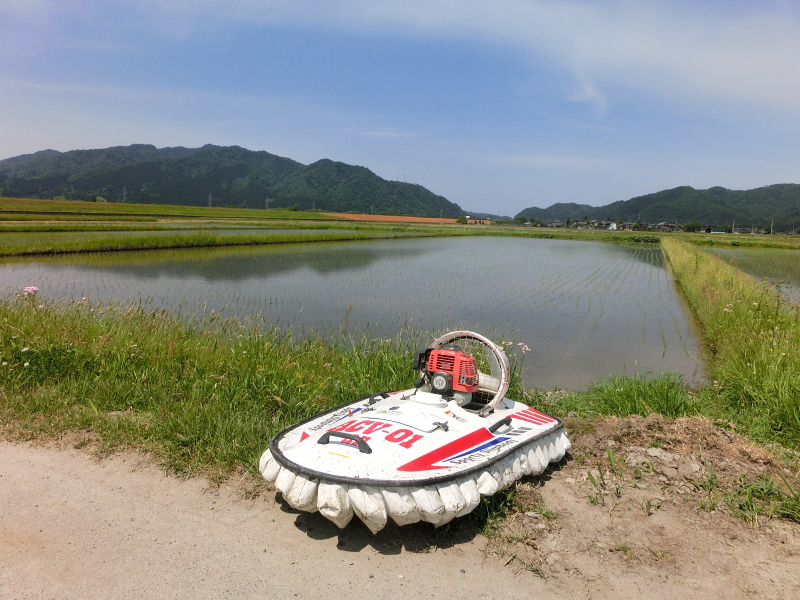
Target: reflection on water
{"type": "Point", "coordinates": [586, 310]}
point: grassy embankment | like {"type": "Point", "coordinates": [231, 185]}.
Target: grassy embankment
{"type": "Point", "coordinates": [196, 239]}
{"type": "Point", "coordinates": [32, 208]}
{"type": "Point", "coordinates": [753, 336]}
{"type": "Point", "coordinates": [203, 396]}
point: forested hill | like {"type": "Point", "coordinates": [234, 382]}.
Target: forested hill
{"type": "Point", "coordinates": [233, 176]}
{"type": "Point", "coordinates": [717, 206]}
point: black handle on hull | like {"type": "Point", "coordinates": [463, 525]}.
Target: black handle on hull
{"type": "Point", "coordinates": [362, 445]}
{"type": "Point", "coordinates": [499, 424]}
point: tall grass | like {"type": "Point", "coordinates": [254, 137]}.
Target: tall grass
{"type": "Point", "coordinates": [753, 336]}
{"type": "Point", "coordinates": [623, 395]}
{"type": "Point", "coordinates": [203, 396]}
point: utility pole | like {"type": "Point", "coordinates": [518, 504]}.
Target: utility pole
{"type": "Point", "coordinates": [267, 203]}
{"type": "Point", "coordinates": [441, 212]}
{"type": "Point", "coordinates": [313, 205]}
{"type": "Point", "coordinates": [124, 194]}
{"type": "Point", "coordinates": [770, 226]}
{"type": "Point", "coordinates": [373, 209]}
{"type": "Point", "coordinates": [209, 199]}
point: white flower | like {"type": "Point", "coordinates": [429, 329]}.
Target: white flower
{"type": "Point", "coordinates": [25, 349]}
{"type": "Point", "coordinates": [26, 365]}
{"type": "Point", "coordinates": [5, 364]}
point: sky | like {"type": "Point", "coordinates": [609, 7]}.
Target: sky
{"type": "Point", "coordinates": [497, 106]}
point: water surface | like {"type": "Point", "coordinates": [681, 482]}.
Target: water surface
{"type": "Point", "coordinates": [586, 309]}
{"type": "Point", "coordinates": [779, 267]}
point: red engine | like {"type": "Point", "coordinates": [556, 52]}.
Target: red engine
{"type": "Point", "coordinates": [452, 369]}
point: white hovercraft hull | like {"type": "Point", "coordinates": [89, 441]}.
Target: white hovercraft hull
{"type": "Point", "coordinates": [409, 456]}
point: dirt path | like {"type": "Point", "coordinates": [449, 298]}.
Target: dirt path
{"type": "Point", "coordinates": [75, 527]}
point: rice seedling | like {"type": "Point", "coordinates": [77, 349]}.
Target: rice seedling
{"type": "Point", "coordinates": [776, 267]}
{"type": "Point", "coordinates": [583, 310]}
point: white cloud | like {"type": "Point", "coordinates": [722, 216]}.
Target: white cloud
{"type": "Point", "coordinates": [688, 51]}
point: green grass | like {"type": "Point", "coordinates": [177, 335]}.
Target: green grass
{"type": "Point", "coordinates": [45, 209]}
{"type": "Point", "coordinates": [624, 395]}
{"type": "Point", "coordinates": [743, 240]}
{"type": "Point", "coordinates": [753, 337]}
{"type": "Point", "coordinates": [203, 397]}
{"type": "Point", "coordinates": [191, 239]}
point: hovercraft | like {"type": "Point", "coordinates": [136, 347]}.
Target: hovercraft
{"type": "Point", "coordinates": [424, 454]}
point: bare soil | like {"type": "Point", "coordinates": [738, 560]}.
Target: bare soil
{"type": "Point", "coordinates": [652, 521]}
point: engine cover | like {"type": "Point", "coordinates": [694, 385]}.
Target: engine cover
{"type": "Point", "coordinates": [453, 361]}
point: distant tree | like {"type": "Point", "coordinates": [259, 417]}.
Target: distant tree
{"type": "Point", "coordinates": [292, 207]}
{"type": "Point", "coordinates": [585, 218]}
{"type": "Point", "coordinates": [462, 219]}
{"type": "Point", "coordinates": [520, 220]}
{"type": "Point", "coordinates": [693, 226]}
{"type": "Point", "coordinates": [568, 222]}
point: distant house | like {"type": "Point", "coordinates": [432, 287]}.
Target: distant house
{"type": "Point", "coordinates": [612, 226]}
{"type": "Point", "coordinates": [555, 224]}
{"type": "Point", "coordinates": [713, 229]}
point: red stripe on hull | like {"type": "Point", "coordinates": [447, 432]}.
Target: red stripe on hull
{"type": "Point", "coordinates": [426, 461]}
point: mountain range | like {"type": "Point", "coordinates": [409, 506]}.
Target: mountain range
{"type": "Point", "coordinates": [714, 206]}
{"type": "Point", "coordinates": [220, 175]}
{"type": "Point", "coordinates": [235, 176]}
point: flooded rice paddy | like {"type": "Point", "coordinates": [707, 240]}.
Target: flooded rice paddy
{"type": "Point", "coordinates": [779, 267]}
{"type": "Point", "coordinates": [586, 310]}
